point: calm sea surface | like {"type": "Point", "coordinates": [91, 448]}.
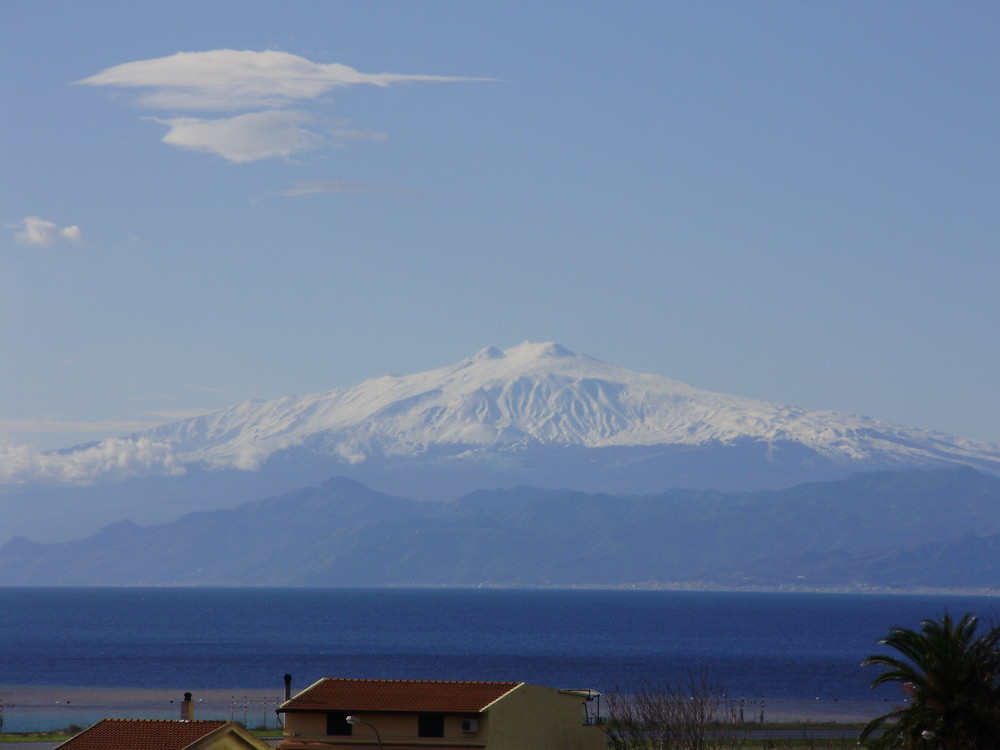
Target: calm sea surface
{"type": "Point", "coordinates": [758, 645]}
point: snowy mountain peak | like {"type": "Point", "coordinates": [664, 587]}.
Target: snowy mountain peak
{"type": "Point", "coordinates": [533, 395]}
{"type": "Point", "coordinates": [529, 394]}
{"type": "Point", "coordinates": [530, 351]}
{"type": "Point", "coordinates": [528, 355]}
{"type": "Point", "coordinates": [490, 352]}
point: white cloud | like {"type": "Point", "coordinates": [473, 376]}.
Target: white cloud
{"type": "Point", "coordinates": [265, 83]}
{"type": "Point", "coordinates": [36, 231]}
{"type": "Point", "coordinates": [239, 79]}
{"type": "Point", "coordinates": [246, 138]}
{"type": "Point", "coordinates": [259, 135]}
{"type": "Point", "coordinates": [112, 459]}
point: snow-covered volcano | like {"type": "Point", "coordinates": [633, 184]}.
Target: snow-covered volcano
{"type": "Point", "coordinates": [532, 396]}
{"type": "Point", "coordinates": [533, 414]}
{"type": "Point", "coordinates": [542, 395]}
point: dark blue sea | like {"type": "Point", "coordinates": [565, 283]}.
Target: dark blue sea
{"type": "Point", "coordinates": [763, 646]}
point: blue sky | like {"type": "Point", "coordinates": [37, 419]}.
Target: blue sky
{"type": "Point", "coordinates": [783, 200]}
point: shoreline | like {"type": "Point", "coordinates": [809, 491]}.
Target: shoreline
{"type": "Point", "coordinates": [35, 708]}
{"type": "Point", "coordinates": [706, 587]}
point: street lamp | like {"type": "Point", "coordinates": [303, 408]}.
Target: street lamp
{"type": "Point", "coordinates": [355, 720]}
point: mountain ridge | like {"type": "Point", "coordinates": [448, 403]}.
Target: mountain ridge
{"type": "Point", "coordinates": [888, 530]}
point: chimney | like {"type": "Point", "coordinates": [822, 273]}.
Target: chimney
{"type": "Point", "coordinates": [187, 708]}
{"type": "Point", "coordinates": [288, 687]}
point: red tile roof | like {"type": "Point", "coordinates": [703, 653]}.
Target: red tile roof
{"type": "Point", "coordinates": [142, 734]}
{"type": "Point", "coordinates": [398, 696]}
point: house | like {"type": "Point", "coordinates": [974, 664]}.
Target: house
{"type": "Point", "coordinates": [163, 734]}
{"type": "Point", "coordinates": [349, 714]}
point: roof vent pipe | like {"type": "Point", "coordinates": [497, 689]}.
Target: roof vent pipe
{"type": "Point", "coordinates": [187, 708]}
{"type": "Point", "coordinates": [288, 687]}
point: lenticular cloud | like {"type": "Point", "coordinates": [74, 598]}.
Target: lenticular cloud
{"type": "Point", "coordinates": [245, 138]}
{"type": "Point", "coordinates": [239, 79]}
{"type": "Point", "coordinates": [265, 82]}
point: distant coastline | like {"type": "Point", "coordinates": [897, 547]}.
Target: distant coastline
{"type": "Point", "coordinates": [709, 587]}
{"type": "Point", "coordinates": [40, 708]}
{"type": "Point", "coordinates": [686, 586]}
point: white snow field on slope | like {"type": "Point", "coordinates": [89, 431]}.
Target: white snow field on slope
{"type": "Point", "coordinates": [534, 394]}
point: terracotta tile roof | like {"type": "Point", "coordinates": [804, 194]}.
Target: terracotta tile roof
{"type": "Point", "coordinates": [398, 696]}
{"type": "Point", "coordinates": [141, 734]}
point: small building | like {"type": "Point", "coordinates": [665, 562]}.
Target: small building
{"type": "Point", "coordinates": [163, 734]}
{"type": "Point", "coordinates": [348, 714]}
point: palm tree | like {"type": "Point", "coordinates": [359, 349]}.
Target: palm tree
{"type": "Point", "coordinates": [952, 678]}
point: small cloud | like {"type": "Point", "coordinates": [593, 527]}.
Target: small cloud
{"type": "Point", "coordinates": [240, 79]}
{"type": "Point", "coordinates": [111, 459]}
{"type": "Point", "coordinates": [246, 138]}
{"type": "Point", "coordinates": [36, 231]}
{"type": "Point", "coordinates": [304, 188]}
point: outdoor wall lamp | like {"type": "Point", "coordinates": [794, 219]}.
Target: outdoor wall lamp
{"type": "Point", "coordinates": [355, 720]}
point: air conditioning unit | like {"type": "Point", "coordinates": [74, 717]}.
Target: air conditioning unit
{"type": "Point", "coordinates": [470, 725]}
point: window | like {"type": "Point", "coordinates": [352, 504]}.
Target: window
{"type": "Point", "coordinates": [336, 723]}
{"type": "Point", "coordinates": [430, 725]}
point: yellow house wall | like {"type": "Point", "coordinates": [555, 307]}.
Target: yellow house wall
{"type": "Point", "coordinates": [305, 723]}
{"type": "Point", "coordinates": [390, 726]}
{"type": "Point", "coordinates": [227, 742]}
{"type": "Point", "coordinates": [532, 717]}
{"type": "Point", "coordinates": [453, 728]}
{"type": "Point", "coordinates": [230, 740]}
{"type": "Point", "coordinates": [406, 726]}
